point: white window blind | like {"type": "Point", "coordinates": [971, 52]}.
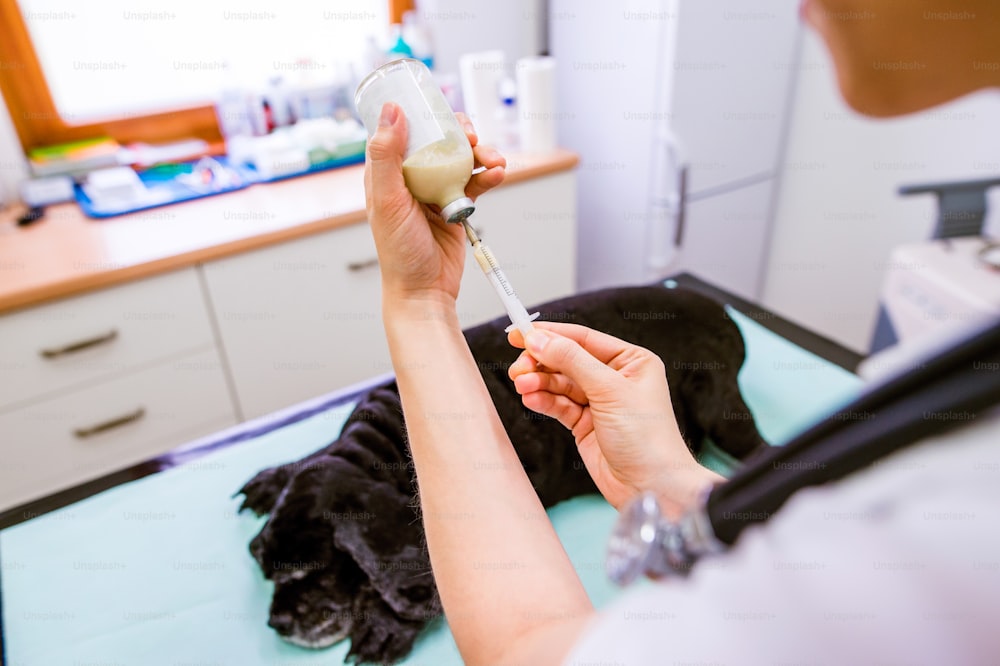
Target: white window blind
{"type": "Point", "coordinates": [118, 58]}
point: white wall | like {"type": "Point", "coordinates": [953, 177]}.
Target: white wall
{"type": "Point", "coordinates": [465, 26]}
{"type": "Point", "coordinates": [838, 214]}
{"type": "Point", "coordinates": [13, 166]}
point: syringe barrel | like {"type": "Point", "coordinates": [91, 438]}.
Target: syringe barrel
{"type": "Point", "coordinates": [515, 309]}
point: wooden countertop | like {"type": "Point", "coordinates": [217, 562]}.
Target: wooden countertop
{"type": "Point", "coordinates": [67, 253]}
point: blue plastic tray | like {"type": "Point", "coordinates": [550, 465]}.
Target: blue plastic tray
{"type": "Point", "coordinates": [165, 189]}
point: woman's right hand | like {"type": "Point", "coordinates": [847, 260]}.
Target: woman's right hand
{"type": "Point", "coordinates": [614, 397]}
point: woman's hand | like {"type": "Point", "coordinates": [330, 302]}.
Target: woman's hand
{"type": "Point", "coordinates": [420, 255]}
{"type": "Point", "coordinates": [614, 397]}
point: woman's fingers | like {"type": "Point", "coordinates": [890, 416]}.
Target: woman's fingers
{"type": "Point", "coordinates": [523, 364]}
{"type": "Point", "coordinates": [584, 356]}
{"type": "Point", "coordinates": [531, 377]}
{"type": "Point", "coordinates": [559, 407]}
{"type": "Point", "coordinates": [470, 131]}
{"type": "Point", "coordinates": [556, 384]}
{"type": "Point", "coordinates": [601, 346]}
{"type": "Point", "coordinates": [386, 194]}
{"type": "Point", "coordinates": [483, 156]}
{"type": "Point", "coordinates": [566, 356]}
{"type": "Point", "coordinates": [489, 157]}
{"type": "Point", "coordinates": [484, 181]}
{"type": "Point", "coordinates": [495, 165]}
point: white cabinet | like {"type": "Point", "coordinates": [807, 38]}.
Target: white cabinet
{"type": "Point", "coordinates": [99, 382]}
{"type": "Point", "coordinates": [304, 317]}
{"type": "Point", "coordinates": [56, 443]}
{"type": "Point", "coordinates": [75, 342]}
{"type": "Point", "coordinates": [300, 318]}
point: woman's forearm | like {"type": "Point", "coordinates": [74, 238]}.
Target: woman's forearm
{"type": "Point", "coordinates": [500, 569]}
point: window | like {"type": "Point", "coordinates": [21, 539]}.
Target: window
{"type": "Point", "coordinates": [151, 71]}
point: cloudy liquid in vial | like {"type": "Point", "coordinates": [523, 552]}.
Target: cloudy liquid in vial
{"type": "Point", "coordinates": [438, 173]}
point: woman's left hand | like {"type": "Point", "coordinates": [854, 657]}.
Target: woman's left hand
{"type": "Point", "coordinates": [420, 255]}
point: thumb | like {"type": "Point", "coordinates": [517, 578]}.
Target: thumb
{"type": "Point", "coordinates": [564, 355]}
{"type": "Point", "coordinates": [385, 156]}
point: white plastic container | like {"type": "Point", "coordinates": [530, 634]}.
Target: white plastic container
{"type": "Point", "coordinates": [481, 74]}
{"type": "Point", "coordinates": [536, 103]}
{"type": "Point", "coordinates": [438, 161]}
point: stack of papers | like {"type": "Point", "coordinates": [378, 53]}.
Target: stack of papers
{"type": "Point", "coordinates": [75, 158]}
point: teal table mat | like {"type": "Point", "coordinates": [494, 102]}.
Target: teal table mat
{"type": "Point", "coordinates": [157, 571]}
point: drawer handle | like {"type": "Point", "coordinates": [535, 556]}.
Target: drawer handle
{"type": "Point", "coordinates": [84, 433]}
{"type": "Point", "coordinates": [56, 352]}
{"type": "Point", "coordinates": [356, 266]}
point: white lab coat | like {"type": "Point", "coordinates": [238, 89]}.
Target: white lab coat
{"type": "Point", "coordinates": [896, 564]}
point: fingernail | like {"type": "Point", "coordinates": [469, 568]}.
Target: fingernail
{"type": "Point", "coordinates": [469, 128]}
{"type": "Point", "coordinates": [390, 112]}
{"type": "Point", "coordinates": [536, 341]}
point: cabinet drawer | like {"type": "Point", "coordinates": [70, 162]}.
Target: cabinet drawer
{"type": "Point", "coordinates": [71, 343]}
{"type": "Point", "coordinates": [301, 318]}
{"type": "Point", "coordinates": [60, 442]}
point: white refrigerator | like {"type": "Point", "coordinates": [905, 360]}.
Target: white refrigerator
{"type": "Point", "coordinates": [646, 87]}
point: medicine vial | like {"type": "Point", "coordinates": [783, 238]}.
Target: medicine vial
{"type": "Point", "coordinates": [438, 161]}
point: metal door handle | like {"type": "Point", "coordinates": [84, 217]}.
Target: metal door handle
{"type": "Point", "coordinates": [56, 352]}
{"type": "Point", "coordinates": [356, 266]}
{"type": "Point", "coordinates": [83, 433]}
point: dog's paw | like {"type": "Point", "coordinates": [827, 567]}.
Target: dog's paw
{"type": "Point", "coordinates": [261, 493]}
{"type": "Point", "coordinates": [378, 635]}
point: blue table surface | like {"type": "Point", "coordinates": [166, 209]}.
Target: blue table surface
{"type": "Point", "coordinates": [158, 571]}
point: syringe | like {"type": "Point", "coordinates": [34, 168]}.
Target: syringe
{"type": "Point", "coordinates": [519, 317]}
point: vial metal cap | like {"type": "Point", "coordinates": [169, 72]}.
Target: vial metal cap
{"type": "Point", "coordinates": [458, 210]}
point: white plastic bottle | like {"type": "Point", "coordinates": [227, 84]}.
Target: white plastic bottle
{"type": "Point", "coordinates": [507, 121]}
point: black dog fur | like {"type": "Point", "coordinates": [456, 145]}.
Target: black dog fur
{"type": "Point", "coordinates": [344, 543]}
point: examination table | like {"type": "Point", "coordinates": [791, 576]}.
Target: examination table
{"type": "Point", "coordinates": [151, 565]}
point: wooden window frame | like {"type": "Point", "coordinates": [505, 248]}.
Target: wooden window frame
{"type": "Point", "coordinates": [38, 123]}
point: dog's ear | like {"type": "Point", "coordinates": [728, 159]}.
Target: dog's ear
{"type": "Point", "coordinates": [300, 528]}
{"type": "Point", "coordinates": [334, 506]}
{"type": "Point", "coordinates": [380, 414]}
{"type": "Point", "coordinates": [382, 531]}
{"type": "Point", "coordinates": [378, 443]}
{"type": "Point", "coordinates": [378, 635]}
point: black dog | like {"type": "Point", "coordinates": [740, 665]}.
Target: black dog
{"type": "Point", "coordinates": [344, 543]}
